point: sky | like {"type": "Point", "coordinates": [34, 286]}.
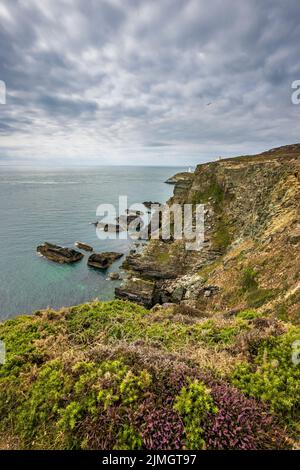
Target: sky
{"type": "Point", "coordinates": [138, 82]}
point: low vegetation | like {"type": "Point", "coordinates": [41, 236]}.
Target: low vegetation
{"type": "Point", "coordinates": [107, 375]}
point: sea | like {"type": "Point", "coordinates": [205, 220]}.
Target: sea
{"type": "Point", "coordinates": [58, 206]}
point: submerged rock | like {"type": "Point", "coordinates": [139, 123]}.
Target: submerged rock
{"type": "Point", "coordinates": [59, 254]}
{"type": "Point", "coordinates": [83, 246]}
{"type": "Point", "coordinates": [103, 260]}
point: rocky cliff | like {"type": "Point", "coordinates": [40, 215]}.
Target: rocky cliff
{"type": "Point", "coordinates": [251, 252]}
{"type": "Point", "coordinates": [214, 364]}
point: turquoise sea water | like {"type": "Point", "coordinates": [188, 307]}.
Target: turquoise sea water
{"type": "Point", "coordinates": [57, 206]}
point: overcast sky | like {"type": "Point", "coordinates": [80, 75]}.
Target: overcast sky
{"type": "Point", "coordinates": [168, 82]}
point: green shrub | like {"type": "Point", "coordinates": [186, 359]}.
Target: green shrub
{"type": "Point", "coordinates": [273, 377]}
{"type": "Point", "coordinates": [44, 399]}
{"type": "Point", "coordinates": [98, 388]}
{"type": "Point", "coordinates": [193, 404]}
{"type": "Point", "coordinates": [249, 315]}
{"type": "Point", "coordinates": [128, 439]}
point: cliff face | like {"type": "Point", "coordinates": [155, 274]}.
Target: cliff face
{"type": "Point", "coordinates": [252, 232]}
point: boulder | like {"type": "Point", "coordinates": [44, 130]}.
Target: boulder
{"type": "Point", "coordinates": [148, 204]}
{"type": "Point", "coordinates": [114, 276]}
{"type": "Point", "coordinates": [103, 260]}
{"type": "Point", "coordinates": [59, 254]}
{"type": "Point", "coordinates": [137, 290]}
{"type": "Point", "coordinates": [83, 246]}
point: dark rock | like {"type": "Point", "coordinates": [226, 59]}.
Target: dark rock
{"type": "Point", "coordinates": [178, 294]}
{"type": "Point", "coordinates": [148, 204]}
{"type": "Point", "coordinates": [83, 246]}
{"type": "Point", "coordinates": [148, 268]}
{"type": "Point", "coordinates": [111, 228]}
{"type": "Point", "coordinates": [209, 291]}
{"type": "Point", "coordinates": [103, 260]}
{"type": "Point", "coordinates": [294, 236]}
{"type": "Point", "coordinates": [137, 290]}
{"type": "Point", "coordinates": [59, 254]}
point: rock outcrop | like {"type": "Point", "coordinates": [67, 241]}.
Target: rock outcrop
{"type": "Point", "coordinates": [184, 176]}
{"type": "Point", "coordinates": [83, 246]}
{"type": "Point", "coordinates": [114, 276]}
{"type": "Point", "coordinates": [59, 254]}
{"type": "Point", "coordinates": [148, 204]}
{"type": "Point", "coordinates": [103, 260]}
{"type": "Point", "coordinates": [137, 290]}
{"type": "Point", "coordinates": [252, 206]}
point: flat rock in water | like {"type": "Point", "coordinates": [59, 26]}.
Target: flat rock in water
{"type": "Point", "coordinates": [103, 260]}
{"type": "Point", "coordinates": [59, 254]}
{"type": "Point", "coordinates": [83, 246]}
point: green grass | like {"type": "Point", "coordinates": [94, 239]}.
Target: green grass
{"type": "Point", "coordinates": [116, 321]}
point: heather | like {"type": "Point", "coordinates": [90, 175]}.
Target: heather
{"type": "Point", "coordinates": [113, 375]}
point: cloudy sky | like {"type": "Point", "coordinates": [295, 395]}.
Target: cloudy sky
{"type": "Point", "coordinates": [168, 82]}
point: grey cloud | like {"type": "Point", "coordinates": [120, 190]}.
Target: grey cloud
{"type": "Point", "coordinates": [138, 74]}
